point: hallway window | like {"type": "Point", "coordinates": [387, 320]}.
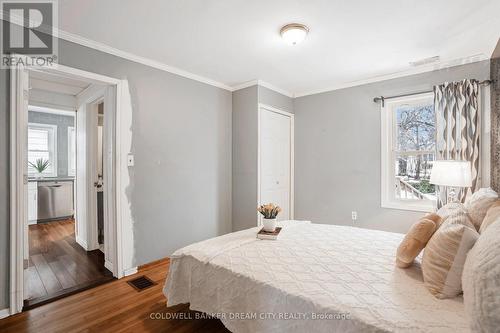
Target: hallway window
{"type": "Point", "coordinates": [42, 144]}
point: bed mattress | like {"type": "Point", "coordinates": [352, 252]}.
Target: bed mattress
{"type": "Point", "coordinates": [314, 278]}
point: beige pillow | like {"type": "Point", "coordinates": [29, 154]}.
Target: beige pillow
{"type": "Point", "coordinates": [416, 239]}
{"type": "Point", "coordinates": [492, 215]}
{"type": "Point", "coordinates": [457, 212]}
{"type": "Point", "coordinates": [434, 217]}
{"type": "Point", "coordinates": [481, 282]}
{"type": "Point", "coordinates": [446, 210]}
{"type": "Point", "coordinates": [478, 203]}
{"type": "Point", "coordinates": [445, 254]}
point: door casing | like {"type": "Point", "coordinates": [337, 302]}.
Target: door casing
{"type": "Point", "coordinates": [18, 170]}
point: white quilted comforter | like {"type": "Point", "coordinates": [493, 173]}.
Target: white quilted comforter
{"type": "Point", "coordinates": [314, 278]}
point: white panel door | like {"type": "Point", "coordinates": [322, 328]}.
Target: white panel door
{"type": "Point", "coordinates": [275, 160]}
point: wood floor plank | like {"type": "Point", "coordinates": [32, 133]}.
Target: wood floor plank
{"type": "Point", "coordinates": [62, 274]}
{"type": "Point", "coordinates": [79, 275]}
{"type": "Point", "coordinates": [47, 276]}
{"type": "Point", "coordinates": [33, 286]}
{"type": "Point", "coordinates": [62, 265]}
{"type": "Point", "coordinates": [114, 307]}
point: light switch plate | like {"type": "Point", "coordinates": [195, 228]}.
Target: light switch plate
{"type": "Point", "coordinates": [130, 160]}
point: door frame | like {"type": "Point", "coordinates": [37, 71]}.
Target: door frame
{"type": "Point", "coordinates": [263, 108]}
{"type": "Point", "coordinates": [18, 173]}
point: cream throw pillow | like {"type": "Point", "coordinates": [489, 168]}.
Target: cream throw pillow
{"type": "Point", "coordinates": [445, 255]}
{"type": "Point", "coordinates": [481, 282]}
{"type": "Point", "coordinates": [478, 204]}
{"type": "Point", "coordinates": [492, 215]}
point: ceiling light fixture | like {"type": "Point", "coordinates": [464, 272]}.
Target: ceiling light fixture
{"type": "Point", "coordinates": [294, 33]}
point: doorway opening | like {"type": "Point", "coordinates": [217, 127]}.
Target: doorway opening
{"type": "Point", "coordinates": [64, 230]}
{"type": "Point", "coordinates": [57, 262]}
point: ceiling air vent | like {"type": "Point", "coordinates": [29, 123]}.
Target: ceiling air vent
{"type": "Point", "coordinates": [424, 61]}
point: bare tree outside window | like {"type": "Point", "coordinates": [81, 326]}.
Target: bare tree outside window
{"type": "Point", "coordinates": [415, 150]}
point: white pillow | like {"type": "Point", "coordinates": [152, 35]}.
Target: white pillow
{"type": "Point", "coordinates": [478, 204]}
{"type": "Point", "coordinates": [481, 282]}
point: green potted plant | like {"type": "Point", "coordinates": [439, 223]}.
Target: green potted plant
{"type": "Point", "coordinates": [269, 212]}
{"type": "Point", "coordinates": [40, 166]}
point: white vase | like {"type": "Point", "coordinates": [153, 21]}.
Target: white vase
{"type": "Point", "coordinates": [269, 224]}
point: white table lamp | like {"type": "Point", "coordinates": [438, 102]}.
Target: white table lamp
{"type": "Point", "coordinates": [452, 174]}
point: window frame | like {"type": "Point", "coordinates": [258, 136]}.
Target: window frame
{"type": "Point", "coordinates": [71, 172]}
{"type": "Point", "coordinates": [389, 153]}
{"type": "Point", "coordinates": [52, 147]}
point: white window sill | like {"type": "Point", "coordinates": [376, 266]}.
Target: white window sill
{"type": "Point", "coordinates": [414, 206]}
{"type": "Point", "coordinates": [44, 175]}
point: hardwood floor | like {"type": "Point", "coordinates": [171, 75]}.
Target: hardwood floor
{"type": "Point", "coordinates": [113, 307]}
{"type": "Point", "coordinates": [57, 265]}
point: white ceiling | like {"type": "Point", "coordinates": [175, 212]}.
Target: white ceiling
{"type": "Point", "coordinates": [235, 41]}
{"type": "Point", "coordinates": [57, 84]}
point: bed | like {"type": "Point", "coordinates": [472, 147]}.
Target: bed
{"type": "Point", "coordinates": [314, 278]}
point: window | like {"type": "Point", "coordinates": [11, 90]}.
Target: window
{"type": "Point", "coordinates": [71, 151]}
{"type": "Point", "coordinates": [42, 140]}
{"type": "Point", "coordinates": [408, 151]}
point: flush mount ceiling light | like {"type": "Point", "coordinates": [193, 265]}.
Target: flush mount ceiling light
{"type": "Point", "coordinates": [294, 33]}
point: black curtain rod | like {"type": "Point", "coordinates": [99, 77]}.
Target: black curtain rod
{"type": "Point", "coordinates": [383, 98]}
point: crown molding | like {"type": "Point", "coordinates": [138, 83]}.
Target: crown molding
{"type": "Point", "coordinates": [70, 37]}
{"type": "Point", "coordinates": [276, 89]}
{"type": "Point", "coordinates": [395, 75]}
{"type": "Point", "coordinates": [77, 39]}
{"type": "Point", "coordinates": [263, 84]}
{"type": "Point", "coordinates": [245, 85]}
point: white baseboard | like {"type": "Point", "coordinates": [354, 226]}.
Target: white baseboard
{"type": "Point", "coordinates": [32, 222]}
{"type": "Point", "coordinates": [130, 271]}
{"type": "Point", "coordinates": [108, 265]}
{"type": "Point", "coordinates": [82, 243]}
{"type": "Point", "coordinates": [4, 313]}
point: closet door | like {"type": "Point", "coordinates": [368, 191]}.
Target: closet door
{"type": "Point", "coordinates": [276, 160]}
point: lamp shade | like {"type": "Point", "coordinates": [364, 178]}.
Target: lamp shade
{"type": "Point", "coordinates": [451, 173]}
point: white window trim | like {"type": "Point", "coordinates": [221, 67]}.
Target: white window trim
{"type": "Point", "coordinates": [388, 199]}
{"type": "Point", "coordinates": [53, 147]}
{"type": "Point", "coordinates": [71, 172]}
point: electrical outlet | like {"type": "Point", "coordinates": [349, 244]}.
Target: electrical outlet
{"type": "Point", "coordinates": [354, 215]}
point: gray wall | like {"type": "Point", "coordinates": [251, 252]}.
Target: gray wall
{"type": "Point", "coordinates": [337, 150]}
{"type": "Point", "coordinates": [245, 133]}
{"type": "Point", "coordinates": [180, 189]}
{"type": "Point", "coordinates": [244, 200]}
{"type": "Point", "coordinates": [62, 122]}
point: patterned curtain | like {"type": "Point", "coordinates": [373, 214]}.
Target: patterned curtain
{"type": "Point", "coordinates": [458, 128]}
